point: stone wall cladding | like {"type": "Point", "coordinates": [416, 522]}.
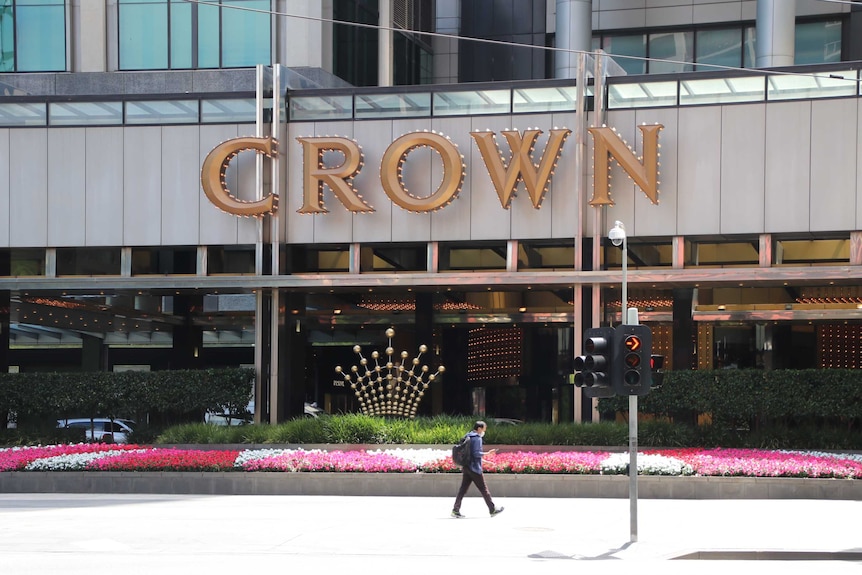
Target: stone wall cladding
{"type": "Point", "coordinates": [426, 485]}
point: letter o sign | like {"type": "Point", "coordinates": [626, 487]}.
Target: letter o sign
{"type": "Point", "coordinates": [394, 158]}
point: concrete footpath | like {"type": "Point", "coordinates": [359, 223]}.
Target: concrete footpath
{"type": "Point", "coordinates": [77, 534]}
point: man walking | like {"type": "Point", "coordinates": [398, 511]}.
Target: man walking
{"type": "Point", "coordinates": [472, 473]}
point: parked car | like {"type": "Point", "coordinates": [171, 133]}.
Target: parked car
{"type": "Point", "coordinates": [102, 429]}
{"type": "Point", "coordinates": [226, 418]}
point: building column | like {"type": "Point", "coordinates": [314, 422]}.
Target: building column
{"type": "Point", "coordinates": [92, 353]}
{"type": "Point", "coordinates": [683, 330]}
{"type": "Point", "coordinates": [432, 402]}
{"type": "Point", "coordinates": [187, 337]}
{"type": "Point", "coordinates": [5, 311]}
{"type": "Point", "coordinates": [776, 33]}
{"type": "Point", "coordinates": [384, 43]}
{"type": "Point", "coordinates": [288, 393]}
{"type": "Point", "coordinates": [574, 31]}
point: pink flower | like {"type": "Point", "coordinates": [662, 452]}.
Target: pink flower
{"type": "Point", "coordinates": [168, 460]}
{"type": "Point", "coordinates": [16, 458]}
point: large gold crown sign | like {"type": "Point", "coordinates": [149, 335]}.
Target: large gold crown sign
{"type": "Point", "coordinates": [390, 388]}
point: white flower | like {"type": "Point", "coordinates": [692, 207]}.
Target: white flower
{"type": "Point", "coordinates": [72, 461]}
{"type": "Point", "coordinates": [416, 456]}
{"type": "Point", "coordinates": [618, 463]}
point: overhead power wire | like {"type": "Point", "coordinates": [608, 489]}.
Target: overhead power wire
{"type": "Point", "coordinates": [825, 76]}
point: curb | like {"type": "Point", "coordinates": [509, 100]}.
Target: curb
{"type": "Point", "coordinates": [426, 485]}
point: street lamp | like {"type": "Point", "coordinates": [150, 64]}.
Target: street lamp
{"type": "Point", "coordinates": [617, 235]}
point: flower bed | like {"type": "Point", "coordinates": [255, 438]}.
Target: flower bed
{"type": "Point", "coordinates": [703, 462]}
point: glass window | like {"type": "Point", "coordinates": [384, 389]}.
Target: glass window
{"type": "Point", "coordinates": [235, 260]}
{"type": "Point", "coordinates": [320, 107]}
{"type": "Point", "coordinates": [162, 112]}
{"type": "Point", "coordinates": [85, 113]}
{"type": "Point", "coordinates": [671, 52]}
{"type": "Point", "coordinates": [27, 262]}
{"type": "Point", "coordinates": [175, 34]}
{"type": "Point", "coordinates": [818, 42]}
{"type": "Point", "coordinates": [633, 45]}
{"type": "Point", "coordinates": [723, 254]}
{"type": "Point", "coordinates": [88, 261]}
{"type": "Point", "coordinates": [143, 34]}
{"type": "Point", "coordinates": [32, 36]}
{"type": "Point", "coordinates": [473, 102]}
{"type": "Point", "coordinates": [393, 258]}
{"type": "Point", "coordinates": [393, 105]}
{"type": "Point", "coordinates": [164, 261]}
{"type": "Point", "coordinates": [642, 95]}
{"type": "Point", "coordinates": [812, 252]}
{"type": "Point", "coordinates": [469, 257]}
{"type": "Point", "coordinates": [34, 114]}
{"type": "Point", "coordinates": [722, 90]}
{"type": "Point", "coordinates": [546, 255]}
{"type": "Point", "coordinates": [242, 31]}
{"type": "Point", "coordinates": [718, 47]}
{"type": "Point", "coordinates": [789, 87]}
{"type": "Point", "coordinates": [748, 47]}
{"type": "Point", "coordinates": [544, 99]}
{"type": "Point", "coordinates": [234, 111]}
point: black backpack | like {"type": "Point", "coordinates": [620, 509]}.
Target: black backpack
{"type": "Point", "coordinates": [461, 452]}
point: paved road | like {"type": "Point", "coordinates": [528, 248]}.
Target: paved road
{"type": "Point", "coordinates": [166, 534]}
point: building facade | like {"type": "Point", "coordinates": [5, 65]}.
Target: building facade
{"type": "Point", "coordinates": [462, 198]}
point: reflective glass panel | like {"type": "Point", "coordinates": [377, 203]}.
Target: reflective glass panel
{"type": "Point", "coordinates": [85, 113]}
{"type": "Point", "coordinates": [822, 85]}
{"type": "Point", "coordinates": [632, 45]}
{"type": "Point", "coordinates": [7, 39]}
{"type": "Point", "coordinates": [228, 111]}
{"type": "Point", "coordinates": [812, 252]}
{"type": "Point", "coordinates": [671, 52]}
{"type": "Point", "coordinates": [642, 94]}
{"type": "Point", "coordinates": [27, 262]}
{"type": "Point", "coordinates": [818, 42]}
{"type": "Point", "coordinates": [472, 102]}
{"type": "Point", "coordinates": [162, 112]}
{"type": "Point", "coordinates": [209, 36]}
{"type": "Point", "coordinates": [88, 261]}
{"type": "Point", "coordinates": [544, 99]}
{"type": "Point", "coordinates": [143, 35]}
{"type": "Point", "coordinates": [181, 35]}
{"type": "Point", "coordinates": [393, 105]}
{"type": "Point", "coordinates": [748, 47]}
{"type": "Point", "coordinates": [35, 114]}
{"type": "Point", "coordinates": [720, 90]}
{"type": "Point", "coordinates": [320, 107]}
{"type": "Point", "coordinates": [719, 48]}
{"type": "Point", "coordinates": [41, 35]}
{"type": "Point", "coordinates": [245, 33]}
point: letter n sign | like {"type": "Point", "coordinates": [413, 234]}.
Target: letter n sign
{"type": "Point", "coordinates": [645, 173]}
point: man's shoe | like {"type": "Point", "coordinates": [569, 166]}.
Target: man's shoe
{"type": "Point", "coordinates": [496, 511]}
{"type": "Point", "coordinates": [457, 515]}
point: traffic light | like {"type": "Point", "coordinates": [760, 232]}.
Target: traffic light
{"type": "Point", "coordinates": [656, 363]}
{"type": "Point", "coordinates": [595, 368]}
{"type": "Point", "coordinates": [633, 375]}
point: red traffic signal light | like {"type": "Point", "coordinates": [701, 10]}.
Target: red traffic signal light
{"type": "Point", "coordinates": [632, 377]}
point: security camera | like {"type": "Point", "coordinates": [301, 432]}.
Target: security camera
{"type": "Point", "coordinates": [617, 234]}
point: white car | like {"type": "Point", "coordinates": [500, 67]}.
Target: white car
{"type": "Point", "coordinates": [101, 428]}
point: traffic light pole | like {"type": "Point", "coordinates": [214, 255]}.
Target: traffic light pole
{"type": "Point", "coordinates": [633, 404]}
{"type": "Point", "coordinates": [633, 467]}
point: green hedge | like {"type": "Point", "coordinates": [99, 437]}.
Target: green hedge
{"type": "Point", "coordinates": [36, 399]}
{"type": "Point", "coordinates": [755, 400]}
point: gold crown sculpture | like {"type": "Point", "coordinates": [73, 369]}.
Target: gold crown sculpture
{"type": "Point", "coordinates": [389, 389]}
